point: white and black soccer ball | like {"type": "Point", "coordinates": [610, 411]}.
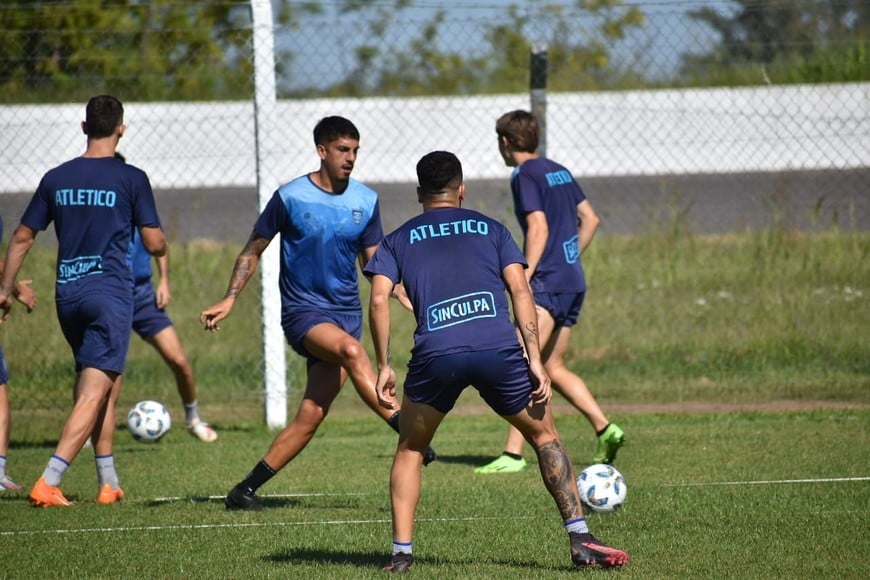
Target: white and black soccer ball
{"type": "Point", "coordinates": [602, 488]}
{"type": "Point", "coordinates": [148, 421]}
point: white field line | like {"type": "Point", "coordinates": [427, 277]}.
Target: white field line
{"type": "Point", "coordinates": [770, 482]}
{"type": "Point", "coordinates": [373, 521]}
{"type": "Point", "coordinates": [246, 525]}
{"type": "Point", "coordinates": [221, 497]}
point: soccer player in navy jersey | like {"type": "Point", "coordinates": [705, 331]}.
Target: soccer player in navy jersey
{"type": "Point", "coordinates": [24, 294]}
{"type": "Point", "coordinates": [95, 202]}
{"type": "Point", "coordinates": [327, 222]}
{"type": "Point", "coordinates": [153, 325]}
{"type": "Point", "coordinates": [456, 265]}
{"type": "Point", "coordinates": [558, 223]}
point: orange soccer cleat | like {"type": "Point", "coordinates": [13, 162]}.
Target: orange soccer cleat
{"type": "Point", "coordinates": [108, 495]}
{"type": "Point", "coordinates": [44, 495]}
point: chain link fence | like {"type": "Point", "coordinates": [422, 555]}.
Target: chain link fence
{"type": "Point", "coordinates": [720, 111]}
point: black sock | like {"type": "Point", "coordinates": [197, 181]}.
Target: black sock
{"type": "Point", "coordinates": [258, 476]}
{"type": "Point", "coordinates": [512, 455]}
{"type": "Point", "coordinates": [600, 433]}
{"type": "Point", "coordinates": [394, 421]}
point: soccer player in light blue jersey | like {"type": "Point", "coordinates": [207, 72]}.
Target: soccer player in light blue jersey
{"type": "Point", "coordinates": [558, 224]}
{"type": "Point", "coordinates": [456, 265]}
{"type": "Point", "coordinates": [95, 202]}
{"type": "Point", "coordinates": [328, 222]}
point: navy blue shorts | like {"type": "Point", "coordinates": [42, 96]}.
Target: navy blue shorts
{"type": "Point", "coordinates": [564, 307]}
{"type": "Point", "coordinates": [97, 328]}
{"type": "Point", "coordinates": [297, 322]}
{"type": "Point", "coordinates": [501, 376]}
{"type": "Point", "coordinates": [4, 370]}
{"type": "Point", "coordinates": [148, 320]}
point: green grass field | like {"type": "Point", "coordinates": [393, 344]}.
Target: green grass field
{"type": "Point", "coordinates": [750, 495]}
{"type": "Point", "coordinates": [763, 320]}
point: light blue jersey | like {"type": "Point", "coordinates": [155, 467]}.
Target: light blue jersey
{"type": "Point", "coordinates": [321, 236]}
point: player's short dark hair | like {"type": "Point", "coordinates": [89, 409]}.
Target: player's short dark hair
{"type": "Point", "coordinates": [328, 129]}
{"type": "Point", "coordinates": [103, 114]}
{"type": "Point", "coordinates": [439, 171]}
{"type": "Point", "coordinates": [521, 130]}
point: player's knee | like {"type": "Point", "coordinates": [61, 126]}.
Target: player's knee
{"type": "Point", "coordinates": [352, 351]}
{"type": "Point", "coordinates": [179, 364]}
{"type": "Point", "coordinates": [312, 414]}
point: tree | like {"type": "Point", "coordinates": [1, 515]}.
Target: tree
{"type": "Point", "coordinates": [579, 39]}
{"type": "Point", "coordinates": [143, 50]}
{"type": "Point", "coordinates": [784, 41]}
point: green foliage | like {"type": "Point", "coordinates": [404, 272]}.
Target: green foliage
{"type": "Point", "coordinates": [578, 50]}
{"type": "Point", "coordinates": [805, 41]}
{"type": "Point", "coordinates": [159, 50]}
{"type": "Point", "coordinates": [168, 50]}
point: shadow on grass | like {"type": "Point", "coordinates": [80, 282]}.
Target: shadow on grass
{"type": "Point", "coordinates": [268, 502]}
{"type": "Point", "coordinates": [34, 444]}
{"type": "Point", "coordinates": [379, 560]}
{"type": "Point", "coordinates": [472, 460]}
{"type": "Point", "coordinates": [319, 557]}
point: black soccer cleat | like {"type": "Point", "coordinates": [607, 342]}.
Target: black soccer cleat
{"type": "Point", "coordinates": [587, 550]}
{"type": "Point", "coordinates": [400, 563]}
{"type": "Point", "coordinates": [243, 498]}
{"type": "Point", "coordinates": [429, 456]}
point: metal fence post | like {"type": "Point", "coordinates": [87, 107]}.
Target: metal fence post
{"type": "Point", "coordinates": [538, 86]}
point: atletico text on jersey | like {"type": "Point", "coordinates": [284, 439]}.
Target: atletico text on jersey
{"type": "Point", "coordinates": [541, 184]}
{"type": "Point", "coordinates": [321, 236]}
{"type": "Point", "coordinates": [95, 203]}
{"type": "Point", "coordinates": [450, 261]}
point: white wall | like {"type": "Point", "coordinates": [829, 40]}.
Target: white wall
{"type": "Point", "coordinates": [199, 145]}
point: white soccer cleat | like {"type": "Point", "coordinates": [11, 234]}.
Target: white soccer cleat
{"type": "Point", "coordinates": [202, 431]}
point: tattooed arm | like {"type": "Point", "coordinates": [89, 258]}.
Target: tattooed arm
{"type": "Point", "coordinates": [527, 322]}
{"type": "Point", "coordinates": [244, 268]}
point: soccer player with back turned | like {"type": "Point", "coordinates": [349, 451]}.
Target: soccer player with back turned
{"type": "Point", "coordinates": [95, 202]}
{"type": "Point", "coordinates": [558, 224]}
{"type": "Point", "coordinates": [455, 265]}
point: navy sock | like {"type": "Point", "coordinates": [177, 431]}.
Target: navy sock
{"type": "Point", "coordinates": [394, 421]}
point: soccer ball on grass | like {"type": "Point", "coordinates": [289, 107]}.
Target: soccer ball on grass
{"type": "Point", "coordinates": [148, 421]}
{"type": "Point", "coordinates": [602, 487]}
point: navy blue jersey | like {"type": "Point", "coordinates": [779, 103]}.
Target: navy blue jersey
{"type": "Point", "coordinates": [541, 184]}
{"type": "Point", "coordinates": [94, 203]}
{"type": "Point", "coordinates": [450, 261]}
{"type": "Point", "coordinates": [321, 236]}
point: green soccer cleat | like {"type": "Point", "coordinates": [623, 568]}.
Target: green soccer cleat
{"type": "Point", "coordinates": [609, 443]}
{"type": "Point", "coordinates": [503, 464]}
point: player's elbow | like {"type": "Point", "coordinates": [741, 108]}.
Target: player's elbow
{"type": "Point", "coordinates": [154, 241]}
{"type": "Point", "coordinates": [379, 301]}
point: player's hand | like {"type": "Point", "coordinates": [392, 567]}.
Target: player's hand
{"type": "Point", "coordinates": [214, 314]}
{"type": "Point", "coordinates": [543, 391]}
{"type": "Point", "coordinates": [25, 294]}
{"type": "Point", "coordinates": [401, 295]}
{"type": "Point", "coordinates": [386, 388]}
{"type": "Point", "coordinates": [5, 305]}
{"type": "Point", "coordinates": [164, 296]}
